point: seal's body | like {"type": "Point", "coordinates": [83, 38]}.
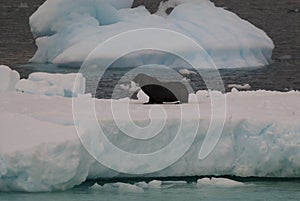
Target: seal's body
{"type": "Point", "coordinates": [160, 92]}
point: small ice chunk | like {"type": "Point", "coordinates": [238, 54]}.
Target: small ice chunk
{"type": "Point", "coordinates": [129, 188]}
{"type": "Point", "coordinates": [204, 181]}
{"type": "Point", "coordinates": [155, 184]}
{"type": "Point", "coordinates": [186, 72]}
{"type": "Point", "coordinates": [142, 184]}
{"type": "Point", "coordinates": [238, 86]}
{"type": "Point", "coordinates": [234, 90]}
{"type": "Point", "coordinates": [96, 187]}
{"type": "Point", "coordinates": [120, 187]}
{"type": "Point", "coordinates": [170, 184]}
{"type": "Point", "coordinates": [221, 182]}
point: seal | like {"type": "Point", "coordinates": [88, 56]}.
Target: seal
{"type": "Point", "coordinates": [162, 92]}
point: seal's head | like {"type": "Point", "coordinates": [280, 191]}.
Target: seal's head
{"type": "Point", "coordinates": [143, 79]}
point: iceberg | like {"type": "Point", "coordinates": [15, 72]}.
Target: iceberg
{"type": "Point", "coordinates": [43, 149]}
{"type": "Point", "coordinates": [67, 31]}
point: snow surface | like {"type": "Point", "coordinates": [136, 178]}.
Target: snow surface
{"type": "Point", "coordinates": [39, 87]}
{"type": "Point", "coordinates": [53, 84]}
{"type": "Point", "coordinates": [67, 31]}
{"type": "Point", "coordinates": [40, 148]}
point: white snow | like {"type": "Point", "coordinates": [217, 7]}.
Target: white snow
{"type": "Point", "coordinates": [218, 182]}
{"type": "Point", "coordinates": [53, 84]}
{"type": "Point", "coordinates": [8, 78]}
{"type": "Point", "coordinates": [40, 149]}
{"type": "Point", "coordinates": [67, 31]}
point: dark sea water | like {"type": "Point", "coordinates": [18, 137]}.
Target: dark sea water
{"type": "Point", "coordinates": [257, 191]}
{"type": "Point", "coordinates": [276, 18]}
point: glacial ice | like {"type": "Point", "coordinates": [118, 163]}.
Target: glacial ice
{"type": "Point", "coordinates": [67, 31]}
{"type": "Point", "coordinates": [40, 148]}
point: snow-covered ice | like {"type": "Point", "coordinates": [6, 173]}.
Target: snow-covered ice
{"type": "Point", "coordinates": [40, 148]}
{"type": "Point", "coordinates": [67, 31]}
{"type": "Point", "coordinates": [51, 84]}
{"type": "Point", "coordinates": [39, 87]}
